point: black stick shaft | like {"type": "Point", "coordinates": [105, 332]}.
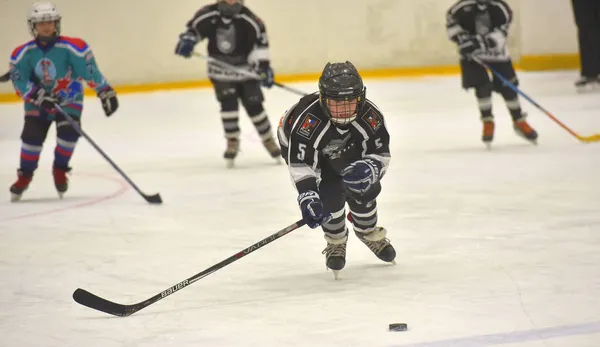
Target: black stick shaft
{"type": "Point", "coordinates": [153, 199]}
{"type": "Point", "coordinates": [95, 302]}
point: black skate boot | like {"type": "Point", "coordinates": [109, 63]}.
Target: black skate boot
{"type": "Point", "coordinates": [586, 84]}
{"type": "Point", "coordinates": [378, 244]}
{"type": "Point", "coordinates": [21, 185]}
{"type": "Point", "coordinates": [335, 253]}
{"type": "Point", "coordinates": [61, 182]}
{"type": "Point", "coordinates": [272, 148]}
{"type": "Point", "coordinates": [233, 147]}
{"type": "Point", "coordinates": [524, 130]}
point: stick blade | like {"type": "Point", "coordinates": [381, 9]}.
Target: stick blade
{"type": "Point", "coordinates": [153, 199]}
{"type": "Point", "coordinates": [5, 77]}
{"type": "Point", "coordinates": [591, 138]}
{"type": "Point", "coordinates": [95, 302]}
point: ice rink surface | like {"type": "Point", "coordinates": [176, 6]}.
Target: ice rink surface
{"type": "Point", "coordinates": [497, 247]}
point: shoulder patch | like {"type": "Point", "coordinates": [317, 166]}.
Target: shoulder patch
{"type": "Point", "coordinates": [373, 120]}
{"type": "Point", "coordinates": [308, 126]}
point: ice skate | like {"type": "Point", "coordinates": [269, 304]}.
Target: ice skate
{"type": "Point", "coordinates": [335, 253]}
{"type": "Point", "coordinates": [524, 130]}
{"type": "Point", "coordinates": [273, 149]}
{"type": "Point", "coordinates": [233, 147]}
{"type": "Point", "coordinates": [378, 244]}
{"type": "Point", "coordinates": [61, 182]}
{"type": "Point", "coordinates": [587, 84]}
{"type": "Point", "coordinates": [487, 135]}
{"type": "Point", "coordinates": [20, 186]}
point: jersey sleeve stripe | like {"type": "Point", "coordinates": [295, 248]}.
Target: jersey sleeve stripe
{"type": "Point", "coordinates": [253, 23]}
{"type": "Point", "coordinates": [19, 52]}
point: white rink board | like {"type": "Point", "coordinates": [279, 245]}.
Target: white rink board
{"type": "Point", "coordinates": [134, 40]}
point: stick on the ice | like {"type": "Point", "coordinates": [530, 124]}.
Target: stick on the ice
{"type": "Point", "coordinates": [246, 73]}
{"type": "Point", "coordinates": [153, 199]}
{"type": "Point", "coordinates": [586, 139]}
{"type": "Point", "coordinates": [90, 300]}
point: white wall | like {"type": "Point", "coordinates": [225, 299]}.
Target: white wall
{"type": "Point", "coordinates": [134, 40]}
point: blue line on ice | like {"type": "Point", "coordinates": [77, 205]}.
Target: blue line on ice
{"type": "Point", "coordinates": [513, 337]}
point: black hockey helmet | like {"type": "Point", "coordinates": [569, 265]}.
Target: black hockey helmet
{"type": "Point", "coordinates": [229, 10]}
{"type": "Point", "coordinates": [341, 86]}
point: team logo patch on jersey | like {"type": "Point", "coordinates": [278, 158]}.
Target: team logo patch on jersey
{"type": "Point", "coordinates": [308, 126]}
{"type": "Point", "coordinates": [373, 120]}
{"type": "Point", "coordinates": [45, 70]}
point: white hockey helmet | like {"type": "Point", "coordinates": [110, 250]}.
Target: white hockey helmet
{"type": "Point", "coordinates": [43, 12]}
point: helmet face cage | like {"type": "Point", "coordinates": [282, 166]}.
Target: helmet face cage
{"type": "Point", "coordinates": [342, 108]}
{"type": "Point", "coordinates": [229, 10]}
{"type": "Point", "coordinates": [43, 12]}
{"type": "Point", "coordinates": [342, 93]}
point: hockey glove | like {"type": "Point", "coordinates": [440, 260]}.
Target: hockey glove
{"type": "Point", "coordinates": [473, 46]}
{"type": "Point", "coordinates": [40, 98]}
{"type": "Point", "coordinates": [268, 77]}
{"type": "Point", "coordinates": [186, 44]}
{"type": "Point", "coordinates": [312, 209]}
{"type": "Point", "coordinates": [110, 104]}
{"type": "Point", "coordinates": [361, 175]}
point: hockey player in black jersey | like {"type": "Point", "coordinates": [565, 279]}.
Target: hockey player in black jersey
{"type": "Point", "coordinates": [480, 28]}
{"type": "Point", "coordinates": [336, 146]}
{"type": "Point", "coordinates": [237, 37]}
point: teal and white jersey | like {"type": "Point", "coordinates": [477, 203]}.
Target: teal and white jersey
{"type": "Point", "coordinates": [60, 68]}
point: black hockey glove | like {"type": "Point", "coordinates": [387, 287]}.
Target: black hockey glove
{"type": "Point", "coordinates": [268, 76]}
{"type": "Point", "coordinates": [361, 175]}
{"type": "Point", "coordinates": [473, 46]}
{"type": "Point", "coordinates": [312, 209]}
{"type": "Point", "coordinates": [40, 98]}
{"type": "Point", "coordinates": [186, 44]}
{"type": "Point", "coordinates": [110, 103]}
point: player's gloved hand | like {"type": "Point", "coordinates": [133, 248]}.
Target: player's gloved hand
{"type": "Point", "coordinates": [186, 44]}
{"type": "Point", "coordinates": [361, 175]}
{"type": "Point", "coordinates": [473, 46]}
{"type": "Point", "coordinates": [268, 77]}
{"type": "Point", "coordinates": [109, 100]}
{"type": "Point", "coordinates": [312, 209]}
{"type": "Point", "coordinates": [43, 99]}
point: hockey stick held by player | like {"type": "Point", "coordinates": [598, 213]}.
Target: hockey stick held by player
{"type": "Point", "coordinates": [336, 146]}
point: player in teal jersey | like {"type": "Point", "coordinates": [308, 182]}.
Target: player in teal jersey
{"type": "Point", "coordinates": [46, 71]}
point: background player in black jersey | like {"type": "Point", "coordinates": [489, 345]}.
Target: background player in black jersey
{"type": "Point", "coordinates": [238, 37]}
{"type": "Point", "coordinates": [336, 146]}
{"type": "Point", "coordinates": [480, 28]}
{"type": "Point", "coordinates": [587, 18]}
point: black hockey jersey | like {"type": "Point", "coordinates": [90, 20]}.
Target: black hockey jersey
{"type": "Point", "coordinates": [465, 19]}
{"type": "Point", "coordinates": [241, 40]}
{"type": "Point", "coordinates": [310, 142]}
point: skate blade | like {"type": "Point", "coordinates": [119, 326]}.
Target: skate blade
{"type": "Point", "coordinates": [229, 163]}
{"type": "Point", "coordinates": [488, 145]}
{"type": "Point", "coordinates": [61, 195]}
{"type": "Point", "coordinates": [14, 197]}
{"type": "Point", "coordinates": [393, 262]}
{"type": "Point", "coordinates": [336, 274]}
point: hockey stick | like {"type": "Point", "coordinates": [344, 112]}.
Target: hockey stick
{"type": "Point", "coordinates": [246, 73]}
{"type": "Point", "coordinates": [153, 199]}
{"type": "Point", "coordinates": [5, 77]}
{"type": "Point", "coordinates": [90, 300]}
{"type": "Point", "coordinates": [585, 139]}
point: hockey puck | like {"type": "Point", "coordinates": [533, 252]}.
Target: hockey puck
{"type": "Point", "coordinates": [398, 327]}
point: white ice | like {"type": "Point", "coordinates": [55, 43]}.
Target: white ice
{"type": "Point", "coordinates": [497, 247]}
